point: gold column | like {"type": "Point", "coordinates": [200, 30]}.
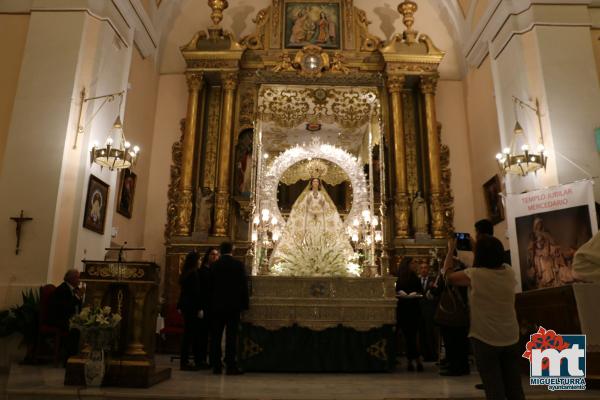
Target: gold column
{"type": "Point", "coordinates": [221, 225]}
{"type": "Point", "coordinates": [401, 204]}
{"type": "Point", "coordinates": [135, 346]}
{"type": "Point", "coordinates": [185, 204]}
{"type": "Point", "coordinates": [428, 86]}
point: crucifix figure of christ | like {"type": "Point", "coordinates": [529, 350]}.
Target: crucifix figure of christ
{"type": "Point", "coordinates": [20, 220]}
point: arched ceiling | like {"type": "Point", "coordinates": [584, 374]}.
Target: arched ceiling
{"type": "Point", "coordinates": [443, 21]}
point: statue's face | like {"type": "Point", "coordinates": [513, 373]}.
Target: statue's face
{"type": "Point", "coordinates": [315, 184]}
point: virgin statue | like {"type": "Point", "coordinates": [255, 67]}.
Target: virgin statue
{"type": "Point", "coordinates": [313, 241]}
{"type": "Point", "coordinates": [419, 214]}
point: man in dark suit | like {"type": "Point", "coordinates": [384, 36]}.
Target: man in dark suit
{"type": "Point", "coordinates": [228, 298]}
{"type": "Point", "coordinates": [65, 302]}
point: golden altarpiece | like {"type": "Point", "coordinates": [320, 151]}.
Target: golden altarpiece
{"type": "Point", "coordinates": [310, 85]}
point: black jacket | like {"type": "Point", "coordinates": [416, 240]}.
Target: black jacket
{"type": "Point", "coordinates": [63, 305]}
{"type": "Point", "coordinates": [228, 286]}
{"type": "Point", "coordinates": [194, 294]}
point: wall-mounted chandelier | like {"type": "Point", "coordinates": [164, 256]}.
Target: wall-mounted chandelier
{"type": "Point", "coordinates": [113, 156]}
{"type": "Point", "coordinates": [519, 158]}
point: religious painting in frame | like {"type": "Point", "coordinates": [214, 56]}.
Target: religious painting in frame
{"type": "Point", "coordinates": [96, 203]}
{"type": "Point", "coordinates": [126, 193]}
{"type": "Point", "coordinates": [312, 23]}
{"type": "Point", "coordinates": [492, 191]}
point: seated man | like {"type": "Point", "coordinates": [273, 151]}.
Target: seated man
{"type": "Point", "coordinates": [65, 302]}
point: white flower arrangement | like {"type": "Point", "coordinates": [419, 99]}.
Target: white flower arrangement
{"type": "Point", "coordinates": [316, 256]}
{"type": "Point", "coordinates": [95, 318]}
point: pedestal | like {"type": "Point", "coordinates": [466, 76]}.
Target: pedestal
{"type": "Point", "coordinates": [130, 289]}
{"type": "Point", "coordinates": [319, 324]}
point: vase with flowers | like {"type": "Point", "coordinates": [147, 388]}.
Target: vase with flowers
{"type": "Point", "coordinates": [98, 327]}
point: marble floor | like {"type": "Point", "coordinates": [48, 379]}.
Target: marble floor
{"type": "Point", "coordinates": [34, 382]}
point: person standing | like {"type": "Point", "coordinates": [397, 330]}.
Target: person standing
{"type": "Point", "coordinates": [228, 298]}
{"type": "Point", "coordinates": [428, 337]}
{"type": "Point", "coordinates": [210, 257]}
{"type": "Point", "coordinates": [191, 307]}
{"type": "Point", "coordinates": [494, 330]}
{"type": "Point", "coordinates": [408, 311]}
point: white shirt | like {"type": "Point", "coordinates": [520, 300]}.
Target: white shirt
{"type": "Point", "coordinates": [492, 305]}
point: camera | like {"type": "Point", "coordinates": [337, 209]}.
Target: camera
{"type": "Point", "coordinates": [463, 241]}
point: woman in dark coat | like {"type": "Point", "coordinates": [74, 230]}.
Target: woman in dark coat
{"type": "Point", "coordinates": [190, 306]}
{"type": "Point", "coordinates": [408, 311]}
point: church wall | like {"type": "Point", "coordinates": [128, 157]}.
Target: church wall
{"type": "Point", "coordinates": [13, 35]}
{"type": "Point", "coordinates": [171, 106]}
{"type": "Point", "coordinates": [30, 176]}
{"type": "Point", "coordinates": [595, 33]}
{"type": "Point", "coordinates": [138, 126]}
{"type": "Point", "coordinates": [484, 139]}
{"type": "Point", "coordinates": [451, 113]}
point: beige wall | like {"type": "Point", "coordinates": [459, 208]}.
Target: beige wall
{"type": "Point", "coordinates": [138, 126]}
{"type": "Point", "coordinates": [13, 33]}
{"type": "Point", "coordinates": [596, 46]}
{"type": "Point", "coordinates": [484, 137]}
{"type": "Point", "coordinates": [451, 113]}
{"type": "Point", "coordinates": [170, 109]}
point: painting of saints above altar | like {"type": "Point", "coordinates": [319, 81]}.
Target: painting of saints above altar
{"type": "Point", "coordinates": [312, 24]}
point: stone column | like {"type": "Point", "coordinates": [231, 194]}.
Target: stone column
{"type": "Point", "coordinates": [401, 204]}
{"type": "Point", "coordinates": [221, 225]}
{"type": "Point", "coordinates": [186, 191]}
{"type": "Point", "coordinates": [428, 86]}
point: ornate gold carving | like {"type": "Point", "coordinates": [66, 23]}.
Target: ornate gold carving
{"type": "Point", "coordinates": [320, 303]}
{"type": "Point", "coordinates": [368, 41]}
{"type": "Point", "coordinates": [437, 216]}
{"type": "Point", "coordinates": [247, 106]}
{"type": "Point", "coordinates": [277, 9]}
{"type": "Point", "coordinates": [410, 143]}
{"type": "Point", "coordinates": [173, 191]}
{"type": "Point", "coordinates": [377, 350]}
{"type": "Point", "coordinates": [115, 271]}
{"type": "Point", "coordinates": [285, 63]}
{"type": "Point", "coordinates": [290, 106]}
{"type": "Point", "coordinates": [184, 213]}
{"type": "Point", "coordinates": [333, 174]}
{"type": "Point", "coordinates": [408, 8]}
{"type": "Point", "coordinates": [212, 139]}
{"type": "Point", "coordinates": [338, 64]}
{"type": "Point", "coordinates": [194, 81]}
{"type": "Point", "coordinates": [395, 83]}
{"type": "Point", "coordinates": [349, 24]}
{"type": "Point", "coordinates": [230, 80]}
{"type": "Point", "coordinates": [429, 84]}
{"type": "Point", "coordinates": [447, 198]}
{"type": "Point", "coordinates": [311, 60]}
{"type": "Point", "coordinates": [217, 7]}
{"type": "Point", "coordinates": [401, 214]}
{"type": "Point", "coordinates": [221, 225]}
{"type": "Point", "coordinates": [250, 348]}
{"type": "Point", "coordinates": [256, 40]}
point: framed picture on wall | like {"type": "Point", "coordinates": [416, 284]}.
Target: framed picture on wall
{"type": "Point", "coordinates": [96, 203]}
{"type": "Point", "coordinates": [126, 193]}
{"type": "Point", "coordinates": [312, 23]}
{"type": "Point", "coordinates": [492, 191]}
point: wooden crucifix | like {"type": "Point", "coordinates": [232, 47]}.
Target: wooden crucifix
{"type": "Point", "coordinates": [20, 220]}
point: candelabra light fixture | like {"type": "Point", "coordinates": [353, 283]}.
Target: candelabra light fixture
{"type": "Point", "coordinates": [119, 155]}
{"type": "Point", "coordinates": [265, 234]}
{"type": "Point", "coordinates": [519, 158]}
{"type": "Point", "coordinates": [366, 235]}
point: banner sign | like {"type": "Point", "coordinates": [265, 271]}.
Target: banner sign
{"type": "Point", "coordinates": [546, 227]}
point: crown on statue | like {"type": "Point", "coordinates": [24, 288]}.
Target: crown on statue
{"type": "Point", "coordinates": [316, 168]}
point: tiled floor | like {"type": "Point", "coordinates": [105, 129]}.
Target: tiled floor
{"type": "Point", "coordinates": [29, 382]}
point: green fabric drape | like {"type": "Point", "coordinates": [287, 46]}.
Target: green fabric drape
{"type": "Point", "coordinates": [299, 349]}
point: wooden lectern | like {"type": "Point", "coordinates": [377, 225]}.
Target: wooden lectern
{"type": "Point", "coordinates": [130, 289]}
